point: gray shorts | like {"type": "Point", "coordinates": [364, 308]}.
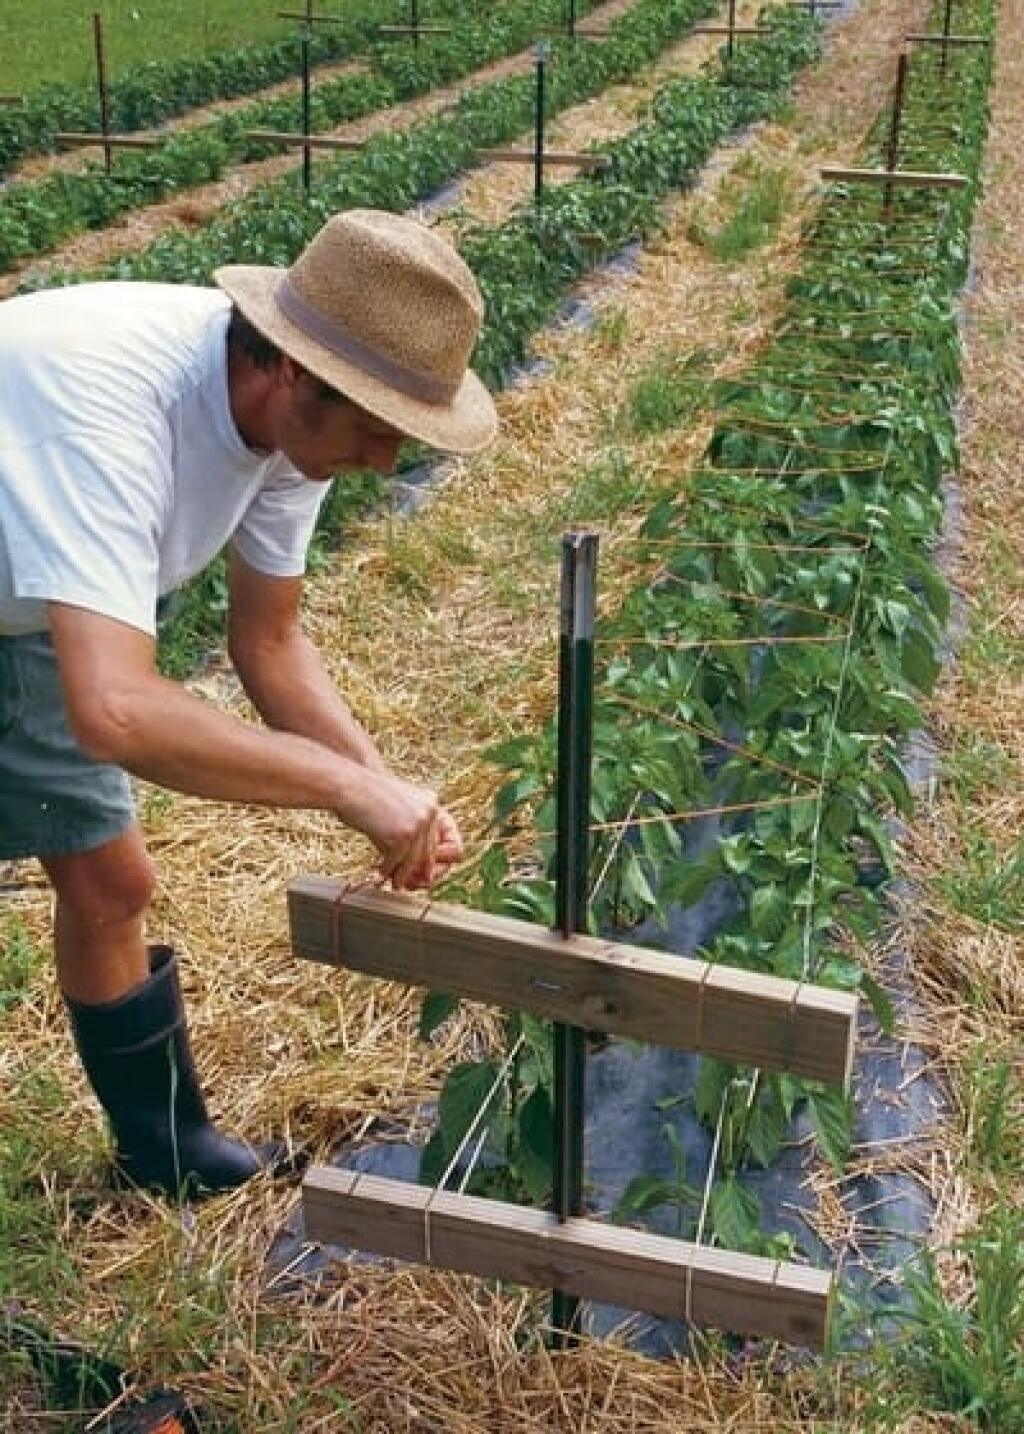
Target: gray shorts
{"type": "Point", "coordinates": [54, 800]}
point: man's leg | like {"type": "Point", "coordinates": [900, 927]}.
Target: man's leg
{"type": "Point", "coordinates": [102, 898]}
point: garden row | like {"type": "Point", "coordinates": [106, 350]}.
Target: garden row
{"type": "Point", "coordinates": [526, 265]}
{"type": "Point", "coordinates": [36, 215]}
{"type": "Point", "coordinates": [148, 94]}
{"type": "Point", "coordinates": [774, 657]}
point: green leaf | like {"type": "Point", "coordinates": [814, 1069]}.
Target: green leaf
{"type": "Point", "coordinates": [712, 1080]}
{"type": "Point", "coordinates": [735, 1214]}
{"type": "Point", "coordinates": [644, 1192]}
{"type": "Point", "coordinates": [535, 1145]}
{"type": "Point", "coordinates": [832, 1116]}
{"type": "Point", "coordinates": [766, 1128]}
{"type": "Point", "coordinates": [878, 998]}
{"type": "Point", "coordinates": [436, 1008]}
{"type": "Point", "coordinates": [918, 662]}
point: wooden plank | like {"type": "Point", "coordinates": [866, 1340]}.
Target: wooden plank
{"type": "Point", "coordinates": [551, 156]}
{"type": "Point", "coordinates": [313, 19]}
{"type": "Point", "coordinates": [666, 1000]}
{"type": "Point", "coordinates": [12, 100]}
{"type": "Point", "coordinates": [745, 1294]}
{"type": "Point", "coordinates": [893, 176]}
{"type": "Point", "coordinates": [73, 140]}
{"type": "Point", "coordinates": [948, 39]}
{"type": "Point", "coordinates": [414, 30]}
{"type": "Point", "coordinates": [300, 141]}
{"type": "Point", "coordinates": [725, 30]}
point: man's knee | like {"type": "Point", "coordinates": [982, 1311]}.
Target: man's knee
{"type": "Point", "coordinates": [104, 886]}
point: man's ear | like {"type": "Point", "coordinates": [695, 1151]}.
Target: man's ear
{"type": "Point", "coordinates": [289, 371]}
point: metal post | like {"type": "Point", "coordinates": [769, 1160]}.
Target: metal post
{"type": "Point", "coordinates": [543, 53]}
{"type": "Point", "coordinates": [307, 152]}
{"type": "Point", "coordinates": [947, 26]}
{"type": "Point", "coordinates": [571, 20]}
{"type": "Point", "coordinates": [730, 44]}
{"type": "Point", "coordinates": [101, 79]}
{"type": "Point", "coordinates": [416, 23]}
{"type": "Point", "coordinates": [572, 863]}
{"type": "Point", "coordinates": [893, 148]}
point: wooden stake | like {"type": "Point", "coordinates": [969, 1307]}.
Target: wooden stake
{"type": "Point", "coordinates": [745, 1294]}
{"type": "Point", "coordinates": [740, 1016]}
{"type": "Point", "coordinates": [895, 126]}
{"type": "Point", "coordinates": [909, 177]}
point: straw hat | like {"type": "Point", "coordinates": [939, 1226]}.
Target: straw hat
{"type": "Point", "coordinates": [384, 310]}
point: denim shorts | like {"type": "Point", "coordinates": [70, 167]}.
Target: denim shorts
{"type": "Point", "coordinates": [54, 800]}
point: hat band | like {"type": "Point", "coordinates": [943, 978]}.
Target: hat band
{"type": "Point", "coordinates": [345, 346]}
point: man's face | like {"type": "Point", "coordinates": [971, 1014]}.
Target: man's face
{"type": "Point", "coordinates": [324, 434]}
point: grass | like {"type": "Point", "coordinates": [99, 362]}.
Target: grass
{"type": "Point", "coordinates": [964, 1358]}
{"type": "Point", "coordinates": [758, 203]}
{"type": "Point", "coordinates": [53, 41]}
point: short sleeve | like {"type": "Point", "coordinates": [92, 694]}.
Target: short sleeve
{"type": "Point", "coordinates": [276, 528]}
{"type": "Point", "coordinates": [82, 515]}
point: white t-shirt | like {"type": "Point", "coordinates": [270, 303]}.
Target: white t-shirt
{"type": "Point", "coordinates": [121, 470]}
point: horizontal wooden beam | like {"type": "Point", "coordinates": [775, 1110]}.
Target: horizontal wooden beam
{"type": "Point", "coordinates": [73, 140]}
{"type": "Point", "coordinates": [414, 30]}
{"type": "Point", "coordinates": [551, 156]}
{"type": "Point", "coordinates": [726, 30]}
{"type": "Point", "coordinates": [11, 100]}
{"type": "Point", "coordinates": [893, 176]}
{"type": "Point", "coordinates": [300, 141]}
{"type": "Point", "coordinates": [311, 19]}
{"type": "Point", "coordinates": [745, 1294]}
{"type": "Point", "coordinates": [741, 1016]}
{"type": "Point", "coordinates": [948, 39]}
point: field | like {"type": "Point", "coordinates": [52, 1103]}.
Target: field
{"type": "Point", "coordinates": [54, 43]}
{"type": "Point", "coordinates": [793, 412]}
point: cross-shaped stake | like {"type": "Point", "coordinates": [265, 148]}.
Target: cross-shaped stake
{"type": "Point", "coordinates": [73, 139]}
{"type": "Point", "coordinates": [580, 982]}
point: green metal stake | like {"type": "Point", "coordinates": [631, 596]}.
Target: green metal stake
{"type": "Point", "coordinates": [571, 20]}
{"type": "Point", "coordinates": [947, 26]}
{"type": "Point", "coordinates": [307, 152]}
{"type": "Point", "coordinates": [543, 54]}
{"type": "Point", "coordinates": [896, 124]}
{"type": "Point", "coordinates": [101, 80]}
{"type": "Point", "coordinates": [572, 863]}
{"type": "Point", "coordinates": [416, 24]}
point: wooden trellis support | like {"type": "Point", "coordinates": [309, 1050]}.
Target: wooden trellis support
{"type": "Point", "coordinates": [414, 30]}
{"type": "Point", "coordinates": [11, 101]}
{"type": "Point", "coordinates": [71, 139]}
{"type": "Point", "coordinates": [561, 157]}
{"type": "Point", "coordinates": [734, 1015]}
{"type": "Point", "coordinates": [947, 39]}
{"type": "Point", "coordinates": [672, 1278]}
{"type": "Point", "coordinates": [730, 30]}
{"type": "Point", "coordinates": [311, 19]}
{"type": "Point", "coordinates": [908, 177]}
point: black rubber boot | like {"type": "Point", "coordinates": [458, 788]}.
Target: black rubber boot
{"type": "Point", "coordinates": [136, 1053]}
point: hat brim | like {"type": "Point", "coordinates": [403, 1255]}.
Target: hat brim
{"type": "Point", "coordinates": [466, 425]}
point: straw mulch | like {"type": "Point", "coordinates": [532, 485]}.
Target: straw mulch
{"type": "Point", "coordinates": [442, 635]}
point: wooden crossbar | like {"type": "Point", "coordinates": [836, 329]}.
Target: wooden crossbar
{"type": "Point", "coordinates": [73, 140]}
{"type": "Point", "coordinates": [550, 156]}
{"type": "Point", "coordinates": [314, 141]}
{"type": "Point", "coordinates": [948, 39]}
{"type": "Point", "coordinates": [727, 30]}
{"type": "Point", "coordinates": [676, 1001]}
{"type": "Point", "coordinates": [414, 30]}
{"type": "Point", "coordinates": [12, 100]}
{"type": "Point", "coordinates": [745, 1294]}
{"type": "Point", "coordinates": [523, 156]}
{"type": "Point", "coordinates": [312, 19]}
{"type": "Point", "coordinates": [894, 176]}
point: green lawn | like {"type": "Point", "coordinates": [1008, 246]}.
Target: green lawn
{"type": "Point", "coordinates": [53, 39]}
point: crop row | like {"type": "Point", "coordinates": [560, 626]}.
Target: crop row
{"type": "Point", "coordinates": [777, 658]}
{"type": "Point", "coordinates": [147, 94]}
{"type": "Point", "coordinates": [36, 216]}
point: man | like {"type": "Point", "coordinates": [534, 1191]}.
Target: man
{"type": "Point", "coordinates": [143, 427]}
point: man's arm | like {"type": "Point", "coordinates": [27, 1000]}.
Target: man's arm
{"type": "Point", "coordinates": [281, 669]}
{"type": "Point", "coordinates": [122, 711]}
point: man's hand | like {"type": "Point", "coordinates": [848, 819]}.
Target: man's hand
{"type": "Point", "coordinates": [417, 838]}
